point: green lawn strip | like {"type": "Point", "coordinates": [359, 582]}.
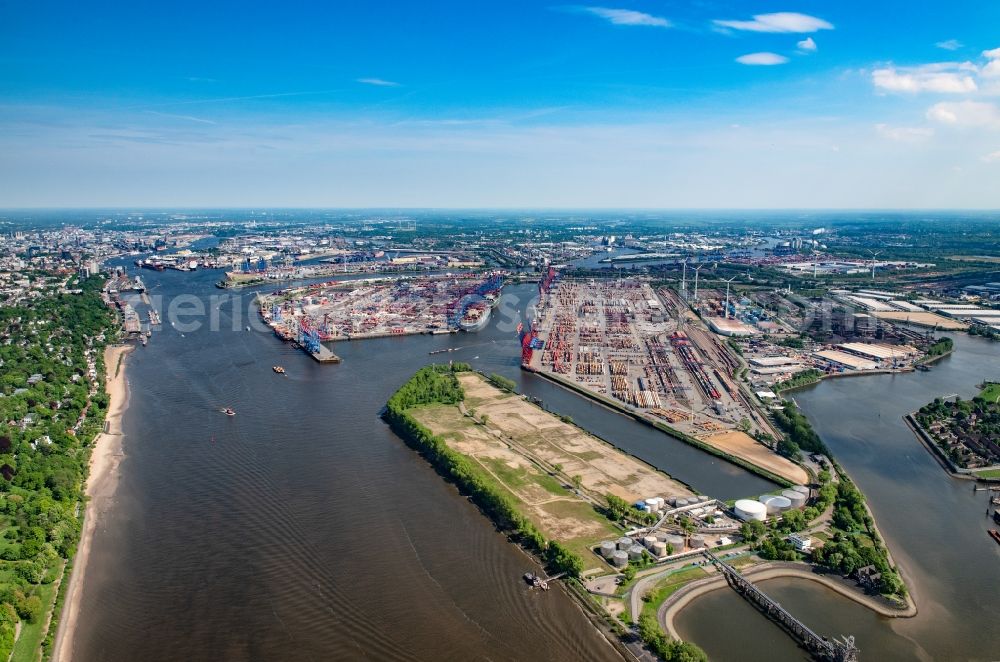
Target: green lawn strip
{"type": "Point", "coordinates": [666, 587]}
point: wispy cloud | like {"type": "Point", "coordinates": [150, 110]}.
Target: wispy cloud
{"type": "Point", "coordinates": [992, 68]}
{"type": "Point", "coordinates": [762, 59]}
{"type": "Point", "coordinates": [938, 77]}
{"type": "Point", "coordinates": [949, 44]}
{"type": "Point", "coordinates": [966, 114]}
{"type": "Point", "coordinates": [807, 45]}
{"type": "Point", "coordinates": [627, 17]}
{"type": "Point", "coordinates": [904, 134]}
{"type": "Point", "coordinates": [189, 118]}
{"type": "Point", "coordinates": [992, 157]}
{"type": "Point", "coordinates": [778, 22]}
{"type": "Point", "coordinates": [378, 82]}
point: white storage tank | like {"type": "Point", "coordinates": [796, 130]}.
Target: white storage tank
{"type": "Point", "coordinates": [635, 552]}
{"type": "Point", "coordinates": [625, 542]}
{"type": "Point", "coordinates": [608, 548]}
{"type": "Point", "coordinates": [778, 504]}
{"type": "Point", "coordinates": [660, 503]}
{"type": "Point", "coordinates": [802, 489]}
{"type": "Point", "coordinates": [696, 541]}
{"type": "Point", "coordinates": [795, 499]}
{"type": "Point", "coordinates": [747, 509]}
{"type": "Point", "coordinates": [649, 541]}
{"type": "Point", "coordinates": [652, 505]}
{"type": "Point", "coordinates": [767, 498]}
{"type": "Point", "coordinates": [619, 559]}
{"type": "Point", "coordinates": [659, 549]}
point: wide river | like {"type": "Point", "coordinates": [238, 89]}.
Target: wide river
{"type": "Point", "coordinates": [303, 528]}
{"type": "Point", "coordinates": [935, 527]}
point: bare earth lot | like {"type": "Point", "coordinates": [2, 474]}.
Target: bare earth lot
{"type": "Point", "coordinates": [743, 446]}
{"type": "Point", "coordinates": [520, 445]}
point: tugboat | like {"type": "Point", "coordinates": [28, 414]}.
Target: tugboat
{"type": "Point", "coordinates": [229, 411]}
{"type": "Point", "coordinates": [278, 369]}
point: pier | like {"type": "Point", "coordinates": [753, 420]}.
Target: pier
{"type": "Point", "coordinates": [322, 354]}
{"type": "Point", "coordinates": [820, 648]}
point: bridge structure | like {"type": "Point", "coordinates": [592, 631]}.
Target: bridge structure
{"type": "Point", "coordinates": [821, 648]}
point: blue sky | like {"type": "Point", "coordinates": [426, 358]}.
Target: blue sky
{"type": "Point", "coordinates": [501, 104]}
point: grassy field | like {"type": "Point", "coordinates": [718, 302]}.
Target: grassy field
{"type": "Point", "coordinates": [667, 587]}
{"type": "Point", "coordinates": [28, 645]}
{"type": "Point", "coordinates": [991, 393]}
{"type": "Point", "coordinates": [988, 473]}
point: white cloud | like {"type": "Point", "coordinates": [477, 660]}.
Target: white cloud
{"type": "Point", "coordinates": [628, 17]}
{"type": "Point", "coordinates": [939, 77]}
{"type": "Point", "coordinates": [976, 114]}
{"type": "Point", "coordinates": [778, 22]}
{"type": "Point", "coordinates": [992, 157]}
{"type": "Point", "coordinates": [379, 82]}
{"type": "Point", "coordinates": [992, 68]}
{"type": "Point", "coordinates": [762, 59]}
{"type": "Point", "coordinates": [949, 44]}
{"type": "Point", "coordinates": [904, 134]}
{"type": "Point", "coordinates": [807, 45]}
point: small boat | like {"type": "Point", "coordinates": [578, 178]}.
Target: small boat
{"type": "Point", "coordinates": [248, 327]}
{"type": "Point", "coordinates": [995, 535]}
{"type": "Point", "coordinates": [229, 411]}
{"type": "Point", "coordinates": [278, 369]}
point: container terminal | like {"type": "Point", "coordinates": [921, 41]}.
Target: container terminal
{"type": "Point", "coordinates": [381, 307]}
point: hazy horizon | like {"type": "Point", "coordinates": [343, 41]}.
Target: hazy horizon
{"type": "Point", "coordinates": [514, 105]}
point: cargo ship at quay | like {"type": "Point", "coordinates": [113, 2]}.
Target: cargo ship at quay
{"type": "Point", "coordinates": [381, 307]}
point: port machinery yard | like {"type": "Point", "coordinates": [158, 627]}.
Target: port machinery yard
{"type": "Point", "coordinates": [381, 307]}
{"type": "Point", "coordinates": [624, 341]}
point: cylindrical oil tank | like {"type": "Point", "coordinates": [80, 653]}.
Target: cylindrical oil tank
{"type": "Point", "coordinates": [608, 548]}
{"type": "Point", "coordinates": [747, 509]}
{"type": "Point", "coordinates": [696, 541]}
{"type": "Point", "coordinates": [649, 541]}
{"type": "Point", "coordinates": [778, 504]}
{"type": "Point", "coordinates": [635, 552]}
{"type": "Point", "coordinates": [652, 505]}
{"type": "Point", "coordinates": [619, 559]}
{"type": "Point", "coordinates": [625, 542]}
{"type": "Point", "coordinates": [802, 489]}
{"type": "Point", "coordinates": [796, 499]}
{"type": "Point", "coordinates": [703, 498]}
{"type": "Point", "coordinates": [683, 502]}
{"type": "Point", "coordinates": [677, 542]}
{"type": "Point", "coordinates": [659, 549]}
{"type": "Point", "coordinates": [767, 499]}
{"type": "Point", "coordinates": [660, 503]}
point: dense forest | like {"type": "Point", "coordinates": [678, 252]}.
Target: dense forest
{"type": "Point", "coordinates": [52, 406]}
{"type": "Point", "coordinates": [799, 435]}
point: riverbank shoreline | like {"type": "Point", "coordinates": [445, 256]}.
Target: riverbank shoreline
{"type": "Point", "coordinates": [673, 606]}
{"type": "Point", "coordinates": [100, 485]}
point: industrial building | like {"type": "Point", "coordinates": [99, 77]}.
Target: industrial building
{"type": "Point", "coordinates": [837, 359]}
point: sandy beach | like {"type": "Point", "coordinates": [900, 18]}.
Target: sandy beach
{"type": "Point", "coordinates": [101, 483]}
